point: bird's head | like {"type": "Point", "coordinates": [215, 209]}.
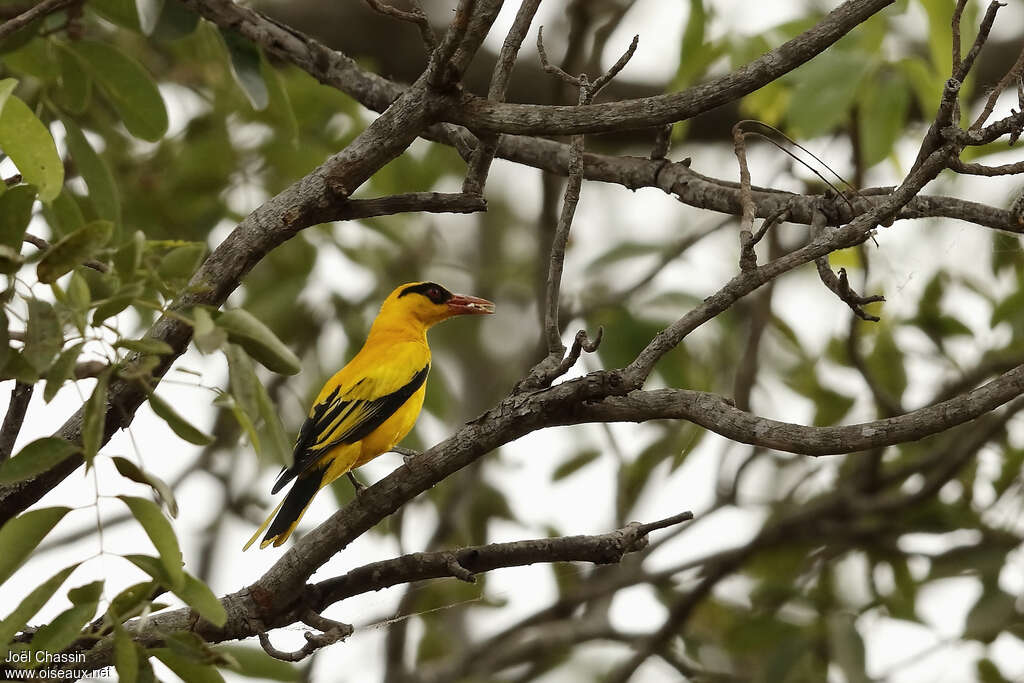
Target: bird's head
{"type": "Point", "coordinates": [428, 303]}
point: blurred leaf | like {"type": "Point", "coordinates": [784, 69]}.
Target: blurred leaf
{"type": "Point", "coordinates": [75, 86]}
{"type": "Point", "coordinates": [132, 471]}
{"type": "Point", "coordinates": [94, 171]}
{"type": "Point", "coordinates": [280, 104]}
{"type": "Point", "coordinates": [181, 262]}
{"type": "Point", "coordinates": [65, 628]}
{"type": "Point", "coordinates": [988, 672]}
{"type": "Point", "coordinates": [112, 305]}
{"type": "Point", "coordinates": [821, 101]}
{"type": "Point", "coordinates": [162, 535]}
{"type": "Point", "coordinates": [73, 250]}
{"type": "Point", "coordinates": [258, 341]}
{"type": "Point", "coordinates": [120, 12]}
{"type": "Point", "coordinates": [199, 597]}
{"type": "Point", "coordinates": [245, 67]}
{"type": "Point", "coordinates": [575, 463]}
{"type": "Point", "coordinates": [132, 599]}
{"type": "Point", "coordinates": [63, 214]}
{"type": "Point", "coordinates": [28, 143]}
{"type": "Point", "coordinates": [126, 656]}
{"type": "Point", "coordinates": [830, 407]}
{"type": "Point", "coordinates": [253, 662]}
{"type": "Point", "coordinates": [128, 257]}
{"type": "Point", "coordinates": [61, 371]}
{"type": "Point", "coordinates": [86, 593]}
{"type": "Point", "coordinates": [176, 21]}
{"type": "Point", "coordinates": [207, 336]}
{"type": "Point", "coordinates": [886, 363]}
{"type": "Point", "coordinates": [882, 117]}
{"type": "Point", "coordinates": [35, 457]}
{"type": "Point", "coordinates": [128, 87]}
{"type": "Point", "coordinates": [990, 615]}
{"type": "Point", "coordinates": [151, 346]}
{"type": "Point", "coordinates": [43, 335]}
{"type": "Point", "coordinates": [15, 213]}
{"type": "Point", "coordinates": [32, 603]}
{"type": "Point", "coordinates": [622, 251]}
{"type": "Point", "coordinates": [94, 422]}
{"type": "Point", "coordinates": [187, 669]}
{"type": "Point", "coordinates": [149, 14]}
{"type": "Point", "coordinates": [177, 423]}
{"type": "Point", "coordinates": [847, 647]}
{"type": "Point", "coordinates": [19, 536]}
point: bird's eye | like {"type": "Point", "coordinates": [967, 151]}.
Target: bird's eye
{"type": "Point", "coordinates": [434, 294]}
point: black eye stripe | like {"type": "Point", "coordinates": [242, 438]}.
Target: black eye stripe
{"type": "Point", "coordinates": [433, 291]}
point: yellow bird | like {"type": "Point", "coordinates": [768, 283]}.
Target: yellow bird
{"type": "Point", "coordinates": [370, 404]}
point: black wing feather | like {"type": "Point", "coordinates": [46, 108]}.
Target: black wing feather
{"type": "Point", "coordinates": [308, 445]}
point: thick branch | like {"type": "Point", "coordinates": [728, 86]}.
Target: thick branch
{"type": "Point", "coordinates": [527, 119]}
{"type": "Point", "coordinates": [24, 19]}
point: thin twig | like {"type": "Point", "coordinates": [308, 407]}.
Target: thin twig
{"type": "Point", "coordinates": [748, 260]}
{"type": "Point", "coordinates": [414, 16]}
{"type": "Point", "coordinates": [42, 9]}
{"type": "Point", "coordinates": [20, 397]}
{"type": "Point", "coordinates": [43, 245]}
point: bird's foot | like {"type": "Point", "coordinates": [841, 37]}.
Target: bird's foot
{"type": "Point", "coordinates": [356, 484]}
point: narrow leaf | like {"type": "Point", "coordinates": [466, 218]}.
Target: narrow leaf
{"type": "Point", "coordinates": [95, 172]}
{"type": "Point", "coordinates": [28, 607]}
{"type": "Point", "coordinates": [188, 669]}
{"type": "Point", "coordinates": [15, 213]}
{"type": "Point", "coordinates": [259, 341]}
{"type": "Point", "coordinates": [20, 536]}
{"type": "Point", "coordinates": [161, 533]}
{"type": "Point", "coordinates": [126, 658]}
{"type": "Point", "coordinates": [132, 471]}
{"type": "Point", "coordinates": [36, 457]}
{"type": "Point", "coordinates": [177, 423]}
{"type": "Point", "coordinates": [43, 337]}
{"type": "Point", "coordinates": [150, 346]}
{"type": "Point", "coordinates": [64, 629]}
{"type": "Point", "coordinates": [95, 418]}
{"type": "Point", "coordinates": [61, 371]}
{"type": "Point", "coordinates": [245, 67]}
{"type": "Point", "coordinates": [199, 597]}
{"type": "Point", "coordinates": [75, 86]}
{"type": "Point", "coordinates": [128, 87]}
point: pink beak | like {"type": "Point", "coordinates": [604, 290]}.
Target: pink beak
{"type": "Point", "coordinates": [460, 304]}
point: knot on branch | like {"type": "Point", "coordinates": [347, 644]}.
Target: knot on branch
{"type": "Point", "coordinates": [554, 365]}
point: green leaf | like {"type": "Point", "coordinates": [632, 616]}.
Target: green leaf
{"type": "Point", "coordinates": [32, 603]}
{"type": "Point", "coordinates": [86, 593]}
{"type": "Point", "coordinates": [133, 599]}
{"type": "Point", "coordinates": [16, 367]}
{"type": "Point", "coordinates": [73, 250]}
{"type": "Point", "coordinates": [7, 86]}
{"type": "Point", "coordinates": [199, 597]}
{"type": "Point", "coordinates": [575, 463]}
{"type": "Point", "coordinates": [64, 629]}
{"type": "Point", "coordinates": [991, 614]}
{"type": "Point", "coordinates": [15, 214]}
{"type": "Point", "coordinates": [150, 346]}
{"type": "Point", "coordinates": [149, 14]}
{"type": "Point", "coordinates": [61, 371]}
{"type": "Point", "coordinates": [5, 340]}
{"type": "Point", "coordinates": [132, 471]}
{"type": "Point", "coordinates": [176, 21]}
{"type": "Point", "coordinates": [20, 535]}
{"type": "Point", "coordinates": [94, 422]}
{"type": "Point", "coordinates": [255, 663]}
{"type": "Point", "coordinates": [830, 407]}
{"type": "Point", "coordinates": [275, 438]}
{"type": "Point", "coordinates": [181, 262]}
{"type": "Point", "coordinates": [821, 101]}
{"type": "Point", "coordinates": [281, 104]}
{"type": "Point", "coordinates": [28, 143]}
{"type": "Point", "coordinates": [43, 337]}
{"type": "Point", "coordinates": [10, 260]}
{"type": "Point", "coordinates": [886, 364]}
{"type": "Point", "coordinates": [177, 423]}
{"type": "Point", "coordinates": [161, 533]}
{"type": "Point", "coordinates": [128, 87]}
{"type": "Point", "coordinates": [36, 457]}
{"type": "Point", "coordinates": [126, 656]}
{"type": "Point", "coordinates": [847, 647]}
{"type": "Point", "coordinates": [882, 117]}
{"type": "Point", "coordinates": [63, 214]}
{"type": "Point", "coordinates": [74, 85]}
{"type": "Point", "coordinates": [96, 174]}
{"type": "Point", "coordinates": [245, 67]}
{"type": "Point", "coordinates": [207, 336]}
{"type": "Point", "coordinates": [258, 341]}
{"type": "Point", "coordinates": [988, 672]}
{"type": "Point", "coordinates": [187, 669]}
{"type": "Point", "coordinates": [117, 303]}
{"type": "Point", "coordinates": [128, 257]}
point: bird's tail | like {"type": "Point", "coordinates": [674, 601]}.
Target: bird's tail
{"type": "Point", "coordinates": [285, 517]}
